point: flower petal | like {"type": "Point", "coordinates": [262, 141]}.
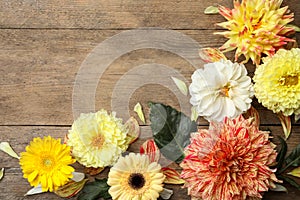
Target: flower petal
{"type": "Point", "coordinates": [211, 10]}
{"type": "Point", "coordinates": [133, 130]}
{"type": "Point", "coordinates": [211, 55]}
{"type": "Point", "coordinates": [138, 109]}
{"type": "Point", "coordinates": [295, 172]}
{"type": "Point", "coordinates": [149, 147]}
{"type": "Point", "coordinates": [172, 176]}
{"type": "Point", "coordinates": [166, 194]}
{"type": "Point", "coordinates": [1, 173]}
{"type": "Point", "coordinates": [286, 124]}
{"type": "Point", "coordinates": [35, 190]}
{"type": "Point", "coordinates": [5, 147]}
{"type": "Point", "coordinates": [181, 85]}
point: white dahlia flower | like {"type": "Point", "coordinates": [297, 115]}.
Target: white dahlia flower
{"type": "Point", "coordinates": [221, 89]}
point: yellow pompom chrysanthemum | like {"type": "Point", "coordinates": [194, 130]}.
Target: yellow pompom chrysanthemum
{"type": "Point", "coordinates": [97, 139]}
{"type": "Point", "coordinates": [277, 82]}
{"type": "Point", "coordinates": [135, 177]}
{"type": "Point", "coordinates": [255, 27]}
{"type": "Point", "coordinates": [46, 162]}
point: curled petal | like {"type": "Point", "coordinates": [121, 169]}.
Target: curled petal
{"type": "Point", "coordinates": [172, 176]}
{"type": "Point", "coordinates": [211, 55]}
{"type": "Point", "coordinates": [133, 130]}
{"type": "Point", "coordinates": [149, 147]}
{"type": "Point", "coordinates": [286, 124]}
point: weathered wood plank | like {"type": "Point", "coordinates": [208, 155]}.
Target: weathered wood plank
{"type": "Point", "coordinates": [39, 67]}
{"type": "Point", "coordinates": [93, 14]}
{"type": "Point", "coordinates": [13, 186]}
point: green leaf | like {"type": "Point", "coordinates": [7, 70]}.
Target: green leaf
{"type": "Point", "coordinates": [281, 154]}
{"type": "Point", "coordinates": [290, 181]}
{"type": "Point", "coordinates": [171, 130]}
{"type": "Point", "coordinates": [294, 157]}
{"type": "Point", "coordinates": [95, 190]}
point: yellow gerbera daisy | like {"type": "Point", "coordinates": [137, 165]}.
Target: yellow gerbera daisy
{"type": "Point", "coordinates": [277, 82]}
{"type": "Point", "coordinates": [97, 139]}
{"type": "Point", "coordinates": [46, 162]}
{"type": "Point", "coordinates": [134, 177]}
{"type": "Point", "coordinates": [255, 27]}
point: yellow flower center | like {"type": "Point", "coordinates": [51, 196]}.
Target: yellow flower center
{"type": "Point", "coordinates": [98, 141]}
{"type": "Point", "coordinates": [47, 162]}
{"type": "Point", "coordinates": [289, 80]}
{"type": "Point", "coordinates": [225, 91]}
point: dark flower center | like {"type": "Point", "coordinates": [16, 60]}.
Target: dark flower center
{"type": "Point", "coordinates": [136, 181]}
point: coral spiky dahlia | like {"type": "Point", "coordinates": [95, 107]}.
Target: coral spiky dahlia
{"type": "Point", "coordinates": [46, 161]}
{"type": "Point", "coordinates": [277, 82]}
{"type": "Point", "coordinates": [229, 161]}
{"type": "Point", "coordinates": [135, 177]}
{"type": "Point", "coordinates": [97, 139]}
{"type": "Point", "coordinates": [255, 27]}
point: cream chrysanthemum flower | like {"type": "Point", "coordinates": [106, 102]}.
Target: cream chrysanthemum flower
{"type": "Point", "coordinates": [255, 27]}
{"type": "Point", "coordinates": [229, 161]}
{"type": "Point", "coordinates": [221, 89]}
{"type": "Point", "coordinates": [46, 162]}
{"type": "Point", "coordinates": [97, 139]}
{"type": "Point", "coordinates": [277, 82]}
{"type": "Point", "coordinates": [134, 177]}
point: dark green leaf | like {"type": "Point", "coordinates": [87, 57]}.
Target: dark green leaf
{"type": "Point", "coordinates": [281, 154]}
{"type": "Point", "coordinates": [95, 190]}
{"type": "Point", "coordinates": [294, 157]}
{"type": "Point", "coordinates": [290, 181]}
{"type": "Point", "coordinates": [171, 130]}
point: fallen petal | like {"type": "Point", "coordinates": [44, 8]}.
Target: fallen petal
{"type": "Point", "coordinates": [286, 124]}
{"type": "Point", "coordinates": [149, 147]}
{"type": "Point", "coordinates": [1, 173]}
{"type": "Point", "coordinates": [138, 109]}
{"type": "Point", "coordinates": [5, 147]}
{"type": "Point", "coordinates": [279, 188]}
{"type": "Point", "coordinates": [172, 176]}
{"type": "Point", "coordinates": [194, 114]}
{"type": "Point", "coordinates": [166, 193]}
{"type": "Point", "coordinates": [252, 112]}
{"type": "Point", "coordinates": [211, 55]}
{"type": "Point", "coordinates": [134, 130]}
{"type": "Point", "coordinates": [78, 176]}
{"type": "Point", "coordinates": [181, 85]}
{"type": "Point", "coordinates": [211, 10]}
{"type": "Point", "coordinates": [295, 172]}
{"type": "Point", "coordinates": [35, 190]}
{"type": "Point", "coordinates": [70, 189]}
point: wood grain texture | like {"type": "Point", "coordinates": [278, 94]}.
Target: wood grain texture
{"type": "Point", "coordinates": [39, 67]}
{"type": "Point", "coordinates": [13, 186]}
{"type": "Point", "coordinates": [44, 43]}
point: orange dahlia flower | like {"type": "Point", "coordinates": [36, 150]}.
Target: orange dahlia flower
{"type": "Point", "coordinates": [255, 27]}
{"type": "Point", "coordinates": [229, 161]}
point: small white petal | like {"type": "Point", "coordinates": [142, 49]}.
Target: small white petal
{"type": "Point", "coordinates": [5, 147]}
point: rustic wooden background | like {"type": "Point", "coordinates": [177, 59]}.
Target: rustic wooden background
{"type": "Point", "coordinates": [43, 44]}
